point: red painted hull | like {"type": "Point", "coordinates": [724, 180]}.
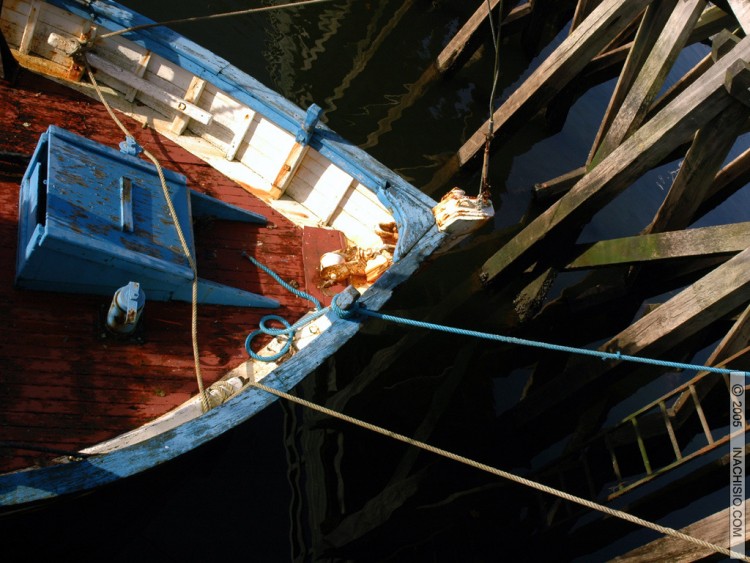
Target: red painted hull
{"type": "Point", "coordinates": [63, 386]}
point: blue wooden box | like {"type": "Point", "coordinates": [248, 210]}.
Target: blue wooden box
{"type": "Point", "coordinates": [92, 218]}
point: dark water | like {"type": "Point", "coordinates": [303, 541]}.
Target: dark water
{"type": "Point", "coordinates": [290, 485]}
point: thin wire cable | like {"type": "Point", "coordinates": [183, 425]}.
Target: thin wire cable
{"type": "Point", "coordinates": [212, 17]}
{"type": "Point", "coordinates": [205, 405]}
{"type": "Point", "coordinates": [504, 474]}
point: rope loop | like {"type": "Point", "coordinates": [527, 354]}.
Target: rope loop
{"type": "Point", "coordinates": [356, 309]}
{"type": "Point", "coordinates": [287, 331]}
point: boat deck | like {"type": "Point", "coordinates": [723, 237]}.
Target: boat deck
{"type": "Point", "coordinates": [62, 384]}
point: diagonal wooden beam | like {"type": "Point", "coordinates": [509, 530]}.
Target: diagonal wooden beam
{"type": "Point", "coordinates": [741, 10]}
{"type": "Point", "coordinates": [671, 127]}
{"type": "Point", "coordinates": [709, 299]}
{"type": "Point", "coordinates": [703, 160]}
{"type": "Point", "coordinates": [662, 52]}
{"type": "Point", "coordinates": [733, 177]}
{"type": "Point", "coordinates": [562, 66]}
{"type": "Point", "coordinates": [653, 22]}
{"type": "Point", "coordinates": [455, 49]}
{"type": "Point", "coordinates": [713, 529]}
{"type": "Point", "coordinates": [583, 9]}
{"type": "Point", "coordinates": [717, 240]}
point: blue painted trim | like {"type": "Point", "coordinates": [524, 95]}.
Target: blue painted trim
{"type": "Point", "coordinates": [305, 133]}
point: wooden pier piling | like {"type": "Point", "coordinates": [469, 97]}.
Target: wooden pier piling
{"type": "Point", "coordinates": [674, 125]}
{"type": "Point", "coordinates": [696, 120]}
{"type": "Point", "coordinates": [674, 289]}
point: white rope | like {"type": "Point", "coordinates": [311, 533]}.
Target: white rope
{"type": "Point", "coordinates": [178, 228]}
{"type": "Point", "coordinates": [504, 474]}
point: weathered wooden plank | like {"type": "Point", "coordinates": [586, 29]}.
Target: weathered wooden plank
{"type": "Point", "coordinates": [697, 171]}
{"type": "Point", "coordinates": [678, 87]}
{"type": "Point", "coordinates": [149, 89]}
{"type": "Point", "coordinates": [455, 48]}
{"type": "Point", "coordinates": [28, 31]}
{"type": "Point", "coordinates": [653, 22]}
{"type": "Point", "coordinates": [720, 239]}
{"type": "Point", "coordinates": [192, 94]}
{"type": "Point", "coordinates": [651, 75]}
{"type": "Point", "coordinates": [139, 71]}
{"type": "Point", "coordinates": [565, 62]}
{"type": "Point", "coordinates": [713, 529]}
{"type": "Point", "coordinates": [239, 131]}
{"type": "Point", "coordinates": [674, 125]}
{"type": "Point", "coordinates": [608, 64]}
{"type": "Point", "coordinates": [583, 9]}
{"type": "Point", "coordinates": [712, 297]}
{"type": "Point", "coordinates": [734, 342]}
{"type": "Point", "coordinates": [741, 10]}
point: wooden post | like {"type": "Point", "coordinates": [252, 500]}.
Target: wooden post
{"type": "Point", "coordinates": [674, 125]}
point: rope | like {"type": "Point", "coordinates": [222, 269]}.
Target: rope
{"type": "Point", "coordinates": [212, 17]}
{"type": "Point", "coordinates": [503, 474]}
{"type": "Point", "coordinates": [484, 189]}
{"type": "Point", "coordinates": [617, 356]}
{"type": "Point", "coordinates": [289, 330]}
{"type": "Point", "coordinates": [183, 242]}
{"type": "Point", "coordinates": [358, 309]}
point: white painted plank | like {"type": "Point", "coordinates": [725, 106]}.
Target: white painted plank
{"type": "Point", "coordinates": [320, 190]}
{"type": "Point", "coordinates": [149, 89]}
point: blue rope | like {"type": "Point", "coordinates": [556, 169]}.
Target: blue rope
{"type": "Point", "coordinates": [359, 310]}
{"type": "Point", "coordinates": [288, 330]}
{"type": "Point", "coordinates": [617, 356]}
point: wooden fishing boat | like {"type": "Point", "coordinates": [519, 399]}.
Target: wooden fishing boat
{"type": "Point", "coordinates": [126, 300]}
